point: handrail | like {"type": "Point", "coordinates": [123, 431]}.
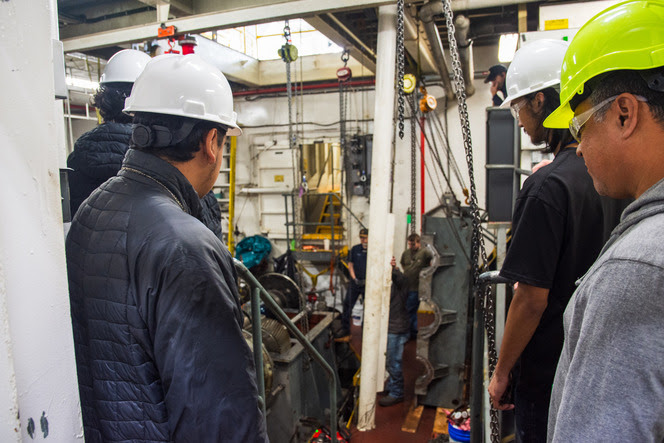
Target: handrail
{"type": "Point", "coordinates": [259, 290]}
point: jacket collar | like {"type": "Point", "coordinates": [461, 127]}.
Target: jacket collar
{"type": "Point", "coordinates": [165, 174]}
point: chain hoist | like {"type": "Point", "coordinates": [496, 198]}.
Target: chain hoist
{"type": "Point", "coordinates": [401, 102]}
{"type": "Point", "coordinates": [477, 250]}
{"type": "Point", "coordinates": [343, 75]}
{"type": "Point", "coordinates": [409, 83]}
{"type": "Point", "coordinates": [288, 53]}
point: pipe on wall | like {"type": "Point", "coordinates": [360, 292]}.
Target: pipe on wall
{"type": "Point", "coordinates": [461, 27]}
{"type": "Point", "coordinates": [427, 13]}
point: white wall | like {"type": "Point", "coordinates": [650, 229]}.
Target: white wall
{"type": "Point", "coordinates": [37, 369]}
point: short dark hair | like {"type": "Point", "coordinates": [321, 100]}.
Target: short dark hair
{"type": "Point", "coordinates": [413, 237]}
{"type": "Point", "coordinates": [630, 81]}
{"type": "Point", "coordinates": [181, 151]}
{"type": "Point", "coordinates": [553, 137]}
{"type": "Point", "coordinates": [110, 101]}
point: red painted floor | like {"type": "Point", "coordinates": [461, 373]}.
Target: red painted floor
{"type": "Point", "coordinates": [390, 419]}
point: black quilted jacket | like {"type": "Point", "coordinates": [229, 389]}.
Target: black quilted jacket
{"type": "Point", "coordinates": [157, 324]}
{"type": "Point", "coordinates": [97, 156]}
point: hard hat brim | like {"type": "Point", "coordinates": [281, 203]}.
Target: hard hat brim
{"type": "Point", "coordinates": [560, 117]}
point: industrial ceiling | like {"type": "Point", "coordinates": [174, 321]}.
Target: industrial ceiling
{"type": "Point", "coordinates": [100, 28]}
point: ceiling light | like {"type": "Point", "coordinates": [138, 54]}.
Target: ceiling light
{"type": "Point", "coordinates": [507, 47]}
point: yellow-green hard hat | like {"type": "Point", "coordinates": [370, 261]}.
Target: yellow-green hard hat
{"type": "Point", "coordinates": [629, 35]}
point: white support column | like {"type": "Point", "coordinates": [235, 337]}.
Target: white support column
{"type": "Point", "coordinates": [38, 387]}
{"type": "Point", "coordinates": [378, 260]}
{"type": "Point", "coordinates": [385, 304]}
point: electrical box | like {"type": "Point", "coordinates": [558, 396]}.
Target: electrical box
{"type": "Point", "coordinates": [358, 165]}
{"type": "Point", "coordinates": [503, 154]}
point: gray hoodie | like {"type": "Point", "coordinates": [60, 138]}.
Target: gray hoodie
{"type": "Point", "coordinates": [609, 385]}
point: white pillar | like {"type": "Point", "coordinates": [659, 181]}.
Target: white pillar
{"type": "Point", "coordinates": [37, 369]}
{"type": "Point", "coordinates": [378, 260]}
{"type": "Point", "coordinates": [385, 304]}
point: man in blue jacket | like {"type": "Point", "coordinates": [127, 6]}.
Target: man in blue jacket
{"type": "Point", "coordinates": [157, 323]}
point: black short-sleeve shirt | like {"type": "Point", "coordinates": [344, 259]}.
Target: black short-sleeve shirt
{"type": "Point", "coordinates": [358, 256]}
{"type": "Point", "coordinates": [557, 233]}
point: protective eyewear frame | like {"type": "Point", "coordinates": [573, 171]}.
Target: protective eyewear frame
{"type": "Point", "coordinates": [577, 123]}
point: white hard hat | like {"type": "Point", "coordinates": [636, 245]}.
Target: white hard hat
{"type": "Point", "coordinates": [124, 66]}
{"type": "Point", "coordinates": [536, 66]}
{"type": "Point", "coordinates": [186, 86]}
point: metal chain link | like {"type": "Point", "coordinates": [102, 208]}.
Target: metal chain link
{"type": "Point", "coordinates": [297, 204]}
{"type": "Point", "coordinates": [478, 250]}
{"type": "Point", "coordinates": [413, 162]}
{"type": "Point", "coordinates": [400, 66]}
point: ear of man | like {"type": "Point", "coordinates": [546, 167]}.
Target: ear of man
{"type": "Point", "coordinates": [628, 114]}
{"type": "Point", "coordinates": [211, 144]}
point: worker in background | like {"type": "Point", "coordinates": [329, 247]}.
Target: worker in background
{"type": "Point", "coordinates": [398, 332]}
{"type": "Point", "coordinates": [609, 385]}
{"type": "Point", "coordinates": [413, 260]}
{"type": "Point", "coordinates": [498, 88]}
{"type": "Point", "coordinates": [98, 154]}
{"type": "Point", "coordinates": [557, 231]}
{"type": "Point", "coordinates": [157, 322]}
{"type": "Point", "coordinates": [357, 268]}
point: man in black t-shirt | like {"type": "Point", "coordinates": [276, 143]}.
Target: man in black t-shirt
{"type": "Point", "coordinates": [557, 232]}
{"type": "Point", "coordinates": [357, 268]}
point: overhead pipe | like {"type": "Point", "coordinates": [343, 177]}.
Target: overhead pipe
{"type": "Point", "coordinates": [427, 14]}
{"type": "Point", "coordinates": [418, 47]}
{"type": "Point", "coordinates": [461, 26]}
{"type": "Point", "coordinates": [329, 85]}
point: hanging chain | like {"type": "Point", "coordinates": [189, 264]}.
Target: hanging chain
{"type": "Point", "coordinates": [477, 251]}
{"type": "Point", "coordinates": [413, 162]}
{"type": "Point", "coordinates": [342, 106]}
{"type": "Point", "coordinates": [400, 66]}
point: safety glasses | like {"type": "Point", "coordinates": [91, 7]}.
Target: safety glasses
{"type": "Point", "coordinates": [516, 106]}
{"type": "Point", "coordinates": [577, 123]}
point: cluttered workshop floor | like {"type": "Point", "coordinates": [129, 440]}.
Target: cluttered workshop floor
{"type": "Point", "coordinates": [402, 422]}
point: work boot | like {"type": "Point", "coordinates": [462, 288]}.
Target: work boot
{"type": "Point", "coordinates": [388, 400]}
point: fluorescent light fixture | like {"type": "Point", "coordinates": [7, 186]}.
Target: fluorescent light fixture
{"type": "Point", "coordinates": [82, 83]}
{"type": "Point", "coordinates": [507, 47]}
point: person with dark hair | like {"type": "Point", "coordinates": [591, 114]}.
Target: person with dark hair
{"type": "Point", "coordinates": [557, 232]}
{"type": "Point", "coordinates": [357, 269]}
{"type": "Point", "coordinates": [413, 260]}
{"type": "Point", "coordinates": [496, 76]}
{"type": "Point", "coordinates": [398, 331]}
{"type": "Point", "coordinates": [98, 154]}
{"type": "Point", "coordinates": [155, 309]}
{"type": "Point", "coordinates": [609, 384]}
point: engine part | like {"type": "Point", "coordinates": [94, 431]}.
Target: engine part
{"type": "Point", "coordinates": [268, 364]}
{"type": "Point", "coordinates": [275, 335]}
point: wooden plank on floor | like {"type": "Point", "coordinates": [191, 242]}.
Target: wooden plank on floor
{"type": "Point", "coordinates": [440, 422]}
{"type": "Point", "coordinates": [412, 420]}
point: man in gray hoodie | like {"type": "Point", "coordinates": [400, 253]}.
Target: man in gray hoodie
{"type": "Point", "coordinates": [609, 385]}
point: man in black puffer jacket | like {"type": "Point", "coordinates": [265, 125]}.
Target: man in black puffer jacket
{"type": "Point", "coordinates": [157, 323]}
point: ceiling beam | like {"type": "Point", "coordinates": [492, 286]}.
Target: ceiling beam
{"type": "Point", "coordinates": [218, 20]}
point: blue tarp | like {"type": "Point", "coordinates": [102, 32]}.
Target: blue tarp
{"type": "Point", "coordinates": [252, 250]}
